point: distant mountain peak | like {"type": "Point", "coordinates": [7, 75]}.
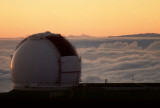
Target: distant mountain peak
{"type": "Point", "coordinates": [140, 35]}
{"type": "Point", "coordinates": [80, 36]}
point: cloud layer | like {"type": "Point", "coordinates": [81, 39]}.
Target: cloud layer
{"type": "Point", "coordinates": [119, 61]}
{"type": "Point", "coordinates": [116, 60]}
{"type": "Point", "coordinates": [7, 47]}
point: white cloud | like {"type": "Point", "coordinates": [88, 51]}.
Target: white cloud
{"type": "Point", "coordinates": [154, 46]}
{"type": "Point", "coordinates": [5, 86]}
{"type": "Point", "coordinates": [93, 79]}
{"type": "Point", "coordinates": [118, 61]}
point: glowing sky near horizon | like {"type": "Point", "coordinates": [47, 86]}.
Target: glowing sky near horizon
{"type": "Point", "coordinates": [20, 18]}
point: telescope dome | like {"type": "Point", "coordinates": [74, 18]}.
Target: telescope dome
{"type": "Point", "coordinates": [45, 61]}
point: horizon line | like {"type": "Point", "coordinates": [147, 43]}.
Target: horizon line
{"type": "Point", "coordinates": [84, 35]}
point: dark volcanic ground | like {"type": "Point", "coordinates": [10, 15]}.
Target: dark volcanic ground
{"type": "Point", "coordinates": [88, 95]}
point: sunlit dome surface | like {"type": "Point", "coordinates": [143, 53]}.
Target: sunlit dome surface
{"type": "Point", "coordinates": [45, 61]}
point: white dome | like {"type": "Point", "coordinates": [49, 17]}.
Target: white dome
{"type": "Point", "coordinates": [45, 60]}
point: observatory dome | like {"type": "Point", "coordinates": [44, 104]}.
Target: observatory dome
{"type": "Point", "coordinates": [45, 61]}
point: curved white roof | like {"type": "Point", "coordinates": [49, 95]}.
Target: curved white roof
{"type": "Point", "coordinates": [45, 60]}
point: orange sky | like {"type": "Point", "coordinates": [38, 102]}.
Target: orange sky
{"type": "Point", "coordinates": [20, 18]}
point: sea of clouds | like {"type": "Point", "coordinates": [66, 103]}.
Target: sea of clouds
{"type": "Point", "coordinates": [116, 59]}
{"type": "Point", "coordinates": [7, 47]}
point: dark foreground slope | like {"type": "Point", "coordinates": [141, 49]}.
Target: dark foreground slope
{"type": "Point", "coordinates": [109, 94]}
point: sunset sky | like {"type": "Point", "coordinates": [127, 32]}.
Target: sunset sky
{"type": "Point", "coordinates": [20, 18]}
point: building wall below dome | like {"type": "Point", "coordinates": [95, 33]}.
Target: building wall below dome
{"type": "Point", "coordinates": [71, 69]}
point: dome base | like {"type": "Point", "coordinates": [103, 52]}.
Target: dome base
{"type": "Point", "coordinates": [40, 88]}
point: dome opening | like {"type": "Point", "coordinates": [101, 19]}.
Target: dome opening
{"type": "Point", "coordinates": [63, 46]}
